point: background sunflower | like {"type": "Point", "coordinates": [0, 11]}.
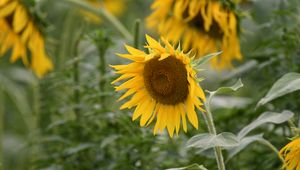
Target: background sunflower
{"type": "Point", "coordinates": [203, 26]}
{"type": "Point", "coordinates": [19, 32]}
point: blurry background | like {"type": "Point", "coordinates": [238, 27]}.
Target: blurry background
{"type": "Point", "coordinates": [70, 118]}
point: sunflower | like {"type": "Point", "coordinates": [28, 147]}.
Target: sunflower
{"type": "Point", "coordinates": [19, 33]}
{"type": "Point", "coordinates": [206, 26]}
{"type": "Point", "coordinates": [291, 155]}
{"type": "Point", "coordinates": [116, 7]}
{"type": "Point", "coordinates": [163, 86]}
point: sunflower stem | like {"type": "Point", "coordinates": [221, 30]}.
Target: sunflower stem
{"type": "Point", "coordinates": [102, 82]}
{"type": "Point", "coordinates": [76, 80]}
{"type": "Point", "coordinates": [136, 34]}
{"type": "Point", "coordinates": [212, 130]}
{"type": "Point", "coordinates": [1, 124]}
{"type": "Point", "coordinates": [273, 148]}
{"type": "Point", "coordinates": [102, 12]}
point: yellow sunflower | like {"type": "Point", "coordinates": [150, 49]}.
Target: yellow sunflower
{"type": "Point", "coordinates": [19, 33]}
{"type": "Point", "coordinates": [163, 86]}
{"type": "Point", "coordinates": [115, 7]}
{"type": "Point", "coordinates": [291, 155]}
{"type": "Point", "coordinates": [205, 26]}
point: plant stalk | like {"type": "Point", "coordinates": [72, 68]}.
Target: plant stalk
{"type": "Point", "coordinates": [212, 130]}
{"type": "Point", "coordinates": [76, 80]}
{"type": "Point", "coordinates": [102, 12]}
{"type": "Point", "coordinates": [136, 34]}
{"type": "Point", "coordinates": [273, 148]}
{"type": "Point", "coordinates": [1, 125]}
{"type": "Point", "coordinates": [102, 82]}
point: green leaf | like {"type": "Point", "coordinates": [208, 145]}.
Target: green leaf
{"type": "Point", "coordinates": [79, 148]}
{"type": "Point", "coordinates": [205, 59]}
{"type": "Point", "coordinates": [206, 140]}
{"type": "Point", "coordinates": [243, 144]}
{"type": "Point", "coordinates": [234, 87]}
{"type": "Point", "coordinates": [190, 167]}
{"type": "Point", "coordinates": [288, 83]}
{"type": "Point", "coordinates": [266, 117]}
{"type": "Point", "coordinates": [229, 102]}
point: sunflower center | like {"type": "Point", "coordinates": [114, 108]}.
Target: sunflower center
{"type": "Point", "coordinates": [166, 80]}
{"type": "Point", "coordinates": [215, 31]}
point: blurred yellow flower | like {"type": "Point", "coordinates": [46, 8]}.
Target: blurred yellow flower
{"type": "Point", "coordinates": [291, 155]}
{"type": "Point", "coordinates": [163, 86]}
{"type": "Point", "coordinates": [19, 33]}
{"type": "Point", "coordinates": [115, 7]}
{"type": "Point", "coordinates": [205, 26]}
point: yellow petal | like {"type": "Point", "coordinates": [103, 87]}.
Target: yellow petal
{"type": "Point", "coordinates": [183, 117]}
{"type": "Point", "coordinates": [191, 114]}
{"type": "Point", "coordinates": [148, 111]}
{"type": "Point", "coordinates": [134, 100]}
{"type": "Point", "coordinates": [8, 9]}
{"type": "Point", "coordinates": [154, 44]}
{"type": "Point", "coordinates": [3, 2]}
{"type": "Point", "coordinates": [127, 93]}
{"type": "Point", "coordinates": [8, 42]}
{"type": "Point", "coordinates": [137, 80]}
{"type": "Point", "coordinates": [27, 32]}
{"type": "Point", "coordinates": [136, 58]}
{"type": "Point", "coordinates": [164, 56]}
{"type": "Point", "coordinates": [19, 51]}
{"type": "Point", "coordinates": [123, 77]}
{"type": "Point", "coordinates": [20, 19]}
{"type": "Point", "coordinates": [170, 120]}
{"type": "Point", "coordinates": [134, 51]}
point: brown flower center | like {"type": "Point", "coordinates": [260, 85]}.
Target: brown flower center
{"type": "Point", "coordinates": [214, 32]}
{"type": "Point", "coordinates": [166, 80]}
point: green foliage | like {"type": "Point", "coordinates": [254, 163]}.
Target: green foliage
{"type": "Point", "coordinates": [70, 119]}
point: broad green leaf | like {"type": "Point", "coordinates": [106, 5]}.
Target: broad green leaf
{"type": "Point", "coordinates": [206, 140]}
{"type": "Point", "coordinates": [243, 144]}
{"type": "Point", "coordinates": [109, 140]}
{"type": "Point", "coordinates": [76, 149]}
{"type": "Point", "coordinates": [288, 83]}
{"type": "Point", "coordinates": [205, 59]}
{"type": "Point", "coordinates": [18, 96]}
{"type": "Point", "coordinates": [230, 102]}
{"type": "Point", "coordinates": [234, 87]}
{"type": "Point", "coordinates": [193, 166]}
{"type": "Point", "coordinates": [239, 71]}
{"type": "Point", "coordinates": [266, 117]}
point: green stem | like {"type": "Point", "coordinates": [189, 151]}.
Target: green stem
{"type": "Point", "coordinates": [34, 122]}
{"type": "Point", "coordinates": [273, 148]}
{"type": "Point", "coordinates": [102, 82]}
{"type": "Point", "coordinates": [293, 128]}
{"type": "Point", "coordinates": [212, 130]}
{"type": "Point", "coordinates": [1, 124]}
{"type": "Point", "coordinates": [76, 79]}
{"type": "Point", "coordinates": [136, 32]}
{"type": "Point", "coordinates": [102, 12]}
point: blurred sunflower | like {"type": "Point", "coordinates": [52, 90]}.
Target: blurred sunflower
{"type": "Point", "coordinates": [163, 86]}
{"type": "Point", "coordinates": [205, 26]}
{"type": "Point", "coordinates": [115, 7]}
{"type": "Point", "coordinates": [291, 155]}
{"type": "Point", "coordinates": [19, 33]}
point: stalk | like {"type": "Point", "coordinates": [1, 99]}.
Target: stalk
{"type": "Point", "coordinates": [212, 130]}
{"type": "Point", "coordinates": [273, 148]}
{"type": "Point", "coordinates": [1, 124]}
{"type": "Point", "coordinates": [102, 12]}
{"type": "Point", "coordinates": [102, 64]}
{"type": "Point", "coordinates": [136, 32]}
{"type": "Point", "coordinates": [76, 80]}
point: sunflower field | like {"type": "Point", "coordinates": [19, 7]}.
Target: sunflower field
{"type": "Point", "coordinates": [150, 84]}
